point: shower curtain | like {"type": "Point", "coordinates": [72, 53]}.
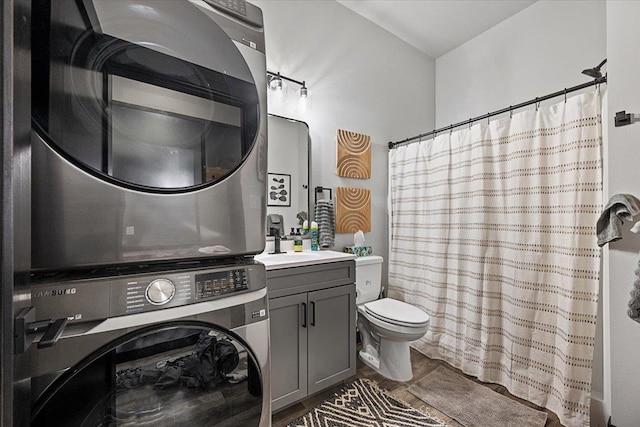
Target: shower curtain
{"type": "Point", "coordinates": [492, 233]}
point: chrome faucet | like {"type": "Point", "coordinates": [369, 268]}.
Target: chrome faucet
{"type": "Point", "coordinates": [276, 241]}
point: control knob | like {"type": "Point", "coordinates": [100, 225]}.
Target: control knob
{"type": "Point", "coordinates": [160, 291]}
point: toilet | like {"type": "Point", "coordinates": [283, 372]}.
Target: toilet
{"type": "Point", "coordinates": [387, 325]}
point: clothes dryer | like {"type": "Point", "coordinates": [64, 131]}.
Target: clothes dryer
{"type": "Point", "coordinates": [149, 133]}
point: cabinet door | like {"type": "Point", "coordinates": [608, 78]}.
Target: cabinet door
{"type": "Point", "coordinates": [288, 349]}
{"type": "Point", "coordinates": [331, 336]}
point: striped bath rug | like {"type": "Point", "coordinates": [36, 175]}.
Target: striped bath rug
{"type": "Point", "coordinates": [363, 404]}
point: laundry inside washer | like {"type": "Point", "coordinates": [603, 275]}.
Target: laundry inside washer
{"type": "Point", "coordinates": [193, 379]}
{"type": "Point", "coordinates": [212, 362]}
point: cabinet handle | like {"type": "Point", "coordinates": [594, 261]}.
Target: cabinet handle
{"type": "Point", "coordinates": [304, 314]}
{"type": "Point", "coordinates": [313, 313]}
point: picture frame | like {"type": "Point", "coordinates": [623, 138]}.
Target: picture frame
{"type": "Point", "coordinates": [278, 189]}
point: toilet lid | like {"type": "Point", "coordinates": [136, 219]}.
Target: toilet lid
{"type": "Point", "coordinates": [396, 312]}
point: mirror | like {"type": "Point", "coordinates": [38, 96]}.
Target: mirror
{"type": "Point", "coordinates": [288, 174]}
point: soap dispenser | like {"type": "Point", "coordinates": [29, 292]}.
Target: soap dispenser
{"type": "Point", "coordinates": [297, 244]}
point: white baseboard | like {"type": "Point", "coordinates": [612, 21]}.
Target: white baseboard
{"type": "Point", "coordinates": [598, 416]}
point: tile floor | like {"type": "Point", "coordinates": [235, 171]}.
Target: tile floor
{"type": "Point", "coordinates": [422, 365]}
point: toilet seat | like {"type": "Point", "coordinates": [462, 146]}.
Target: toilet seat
{"type": "Point", "coordinates": [397, 313]}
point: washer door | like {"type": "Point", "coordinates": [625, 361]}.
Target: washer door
{"type": "Point", "coordinates": [188, 373]}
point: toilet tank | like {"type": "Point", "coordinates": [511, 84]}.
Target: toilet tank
{"type": "Point", "coordinates": [368, 278]}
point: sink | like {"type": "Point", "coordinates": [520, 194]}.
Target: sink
{"type": "Point", "coordinates": [296, 259]}
{"type": "Point", "coordinates": [289, 257]}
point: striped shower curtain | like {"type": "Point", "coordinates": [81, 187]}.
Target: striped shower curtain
{"type": "Point", "coordinates": [493, 235]}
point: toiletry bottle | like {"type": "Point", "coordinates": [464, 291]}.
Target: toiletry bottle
{"type": "Point", "coordinates": [305, 227]}
{"type": "Point", "coordinates": [297, 244]}
{"type": "Point", "coordinates": [314, 236]}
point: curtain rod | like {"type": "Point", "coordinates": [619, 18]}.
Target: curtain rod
{"type": "Point", "coordinates": [595, 82]}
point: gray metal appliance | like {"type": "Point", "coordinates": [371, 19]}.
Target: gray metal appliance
{"type": "Point", "coordinates": [164, 348]}
{"type": "Point", "coordinates": [140, 198]}
{"type": "Point", "coordinates": [149, 131]}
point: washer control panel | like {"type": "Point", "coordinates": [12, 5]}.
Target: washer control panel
{"type": "Point", "coordinates": [145, 293]}
{"type": "Point", "coordinates": [237, 6]}
{"type": "Point", "coordinates": [174, 288]}
{"type": "Point", "coordinates": [99, 298]}
{"type": "Point", "coordinates": [220, 282]}
{"type": "Point", "coordinates": [160, 291]}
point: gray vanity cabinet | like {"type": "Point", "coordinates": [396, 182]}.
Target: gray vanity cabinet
{"type": "Point", "coordinates": [329, 343]}
{"type": "Point", "coordinates": [312, 311]}
{"type": "Point", "coordinates": [288, 349]}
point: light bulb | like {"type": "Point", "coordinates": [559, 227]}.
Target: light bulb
{"type": "Point", "coordinates": [275, 82]}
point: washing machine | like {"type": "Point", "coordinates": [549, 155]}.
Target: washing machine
{"type": "Point", "coordinates": [174, 346]}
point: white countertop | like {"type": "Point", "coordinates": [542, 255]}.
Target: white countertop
{"type": "Point", "coordinates": [298, 259]}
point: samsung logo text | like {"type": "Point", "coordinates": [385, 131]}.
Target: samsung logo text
{"type": "Point", "coordinates": [54, 293]}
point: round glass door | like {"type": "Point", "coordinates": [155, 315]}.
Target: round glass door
{"type": "Point", "coordinates": [183, 374]}
{"type": "Point", "coordinates": [151, 95]}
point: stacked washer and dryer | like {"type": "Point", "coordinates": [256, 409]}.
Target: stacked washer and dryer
{"type": "Point", "coordinates": [145, 206]}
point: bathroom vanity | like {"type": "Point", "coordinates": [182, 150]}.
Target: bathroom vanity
{"type": "Point", "coordinates": [312, 310]}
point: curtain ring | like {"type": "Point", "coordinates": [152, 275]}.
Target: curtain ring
{"type": "Point", "coordinates": [510, 111]}
{"type": "Point", "coordinates": [537, 104]}
{"type": "Point", "coordinates": [488, 117]}
{"type": "Point", "coordinates": [470, 122]}
{"type": "Point", "coordinates": [451, 130]}
{"type": "Point", "coordinates": [565, 95]}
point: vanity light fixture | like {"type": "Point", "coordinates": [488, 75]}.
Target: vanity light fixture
{"type": "Point", "coordinates": [275, 83]}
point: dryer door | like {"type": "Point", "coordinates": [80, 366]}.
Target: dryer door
{"type": "Point", "coordinates": [148, 138]}
{"type": "Point", "coordinates": [150, 95]}
{"type": "Point", "coordinates": [179, 373]}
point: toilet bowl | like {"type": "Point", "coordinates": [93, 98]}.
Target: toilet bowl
{"type": "Point", "coordinates": [387, 326]}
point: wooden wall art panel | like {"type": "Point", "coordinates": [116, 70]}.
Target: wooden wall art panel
{"type": "Point", "coordinates": [353, 210]}
{"type": "Point", "coordinates": [353, 155]}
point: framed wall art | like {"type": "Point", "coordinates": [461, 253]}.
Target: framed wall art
{"type": "Point", "coordinates": [353, 210]}
{"type": "Point", "coordinates": [353, 155]}
{"type": "Point", "coordinates": [278, 189]}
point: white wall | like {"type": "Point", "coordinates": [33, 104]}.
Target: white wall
{"type": "Point", "coordinates": [540, 50]}
{"type": "Point", "coordinates": [360, 78]}
{"type": "Point", "coordinates": [623, 33]}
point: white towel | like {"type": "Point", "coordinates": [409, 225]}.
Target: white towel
{"type": "Point", "coordinates": [325, 217]}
